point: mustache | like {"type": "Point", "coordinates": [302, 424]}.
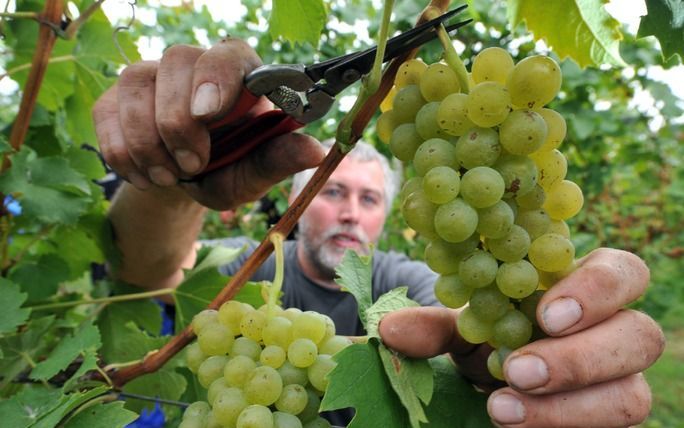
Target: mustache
{"type": "Point", "coordinates": [356, 232]}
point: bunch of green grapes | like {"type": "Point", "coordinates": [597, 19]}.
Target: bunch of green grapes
{"type": "Point", "coordinates": [489, 191]}
{"type": "Point", "coordinates": [262, 368]}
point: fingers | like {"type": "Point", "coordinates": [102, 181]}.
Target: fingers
{"type": "Point", "coordinates": [251, 177]}
{"type": "Point", "coordinates": [604, 282]}
{"type": "Point", "coordinates": [619, 403]}
{"type": "Point", "coordinates": [625, 344]}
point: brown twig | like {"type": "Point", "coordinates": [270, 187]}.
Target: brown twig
{"type": "Point", "coordinates": [154, 361]}
{"type": "Point", "coordinates": [52, 13]}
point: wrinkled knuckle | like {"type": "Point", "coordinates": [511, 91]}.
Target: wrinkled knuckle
{"type": "Point", "coordinates": [141, 74]}
{"type": "Point", "coordinates": [171, 123]}
{"type": "Point", "coordinates": [179, 52]}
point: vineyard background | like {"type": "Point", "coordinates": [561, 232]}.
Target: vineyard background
{"type": "Point", "coordinates": [627, 156]}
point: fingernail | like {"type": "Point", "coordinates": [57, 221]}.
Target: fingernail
{"type": "Point", "coordinates": [137, 180]}
{"type": "Point", "coordinates": [187, 160]}
{"type": "Point", "coordinates": [527, 372]}
{"type": "Point", "coordinates": [161, 176]}
{"type": "Point", "coordinates": [561, 314]}
{"type": "Point", "coordinates": [507, 409]}
{"type": "Point", "coordinates": [206, 100]}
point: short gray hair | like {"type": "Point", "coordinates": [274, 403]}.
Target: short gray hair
{"type": "Point", "coordinates": [363, 152]}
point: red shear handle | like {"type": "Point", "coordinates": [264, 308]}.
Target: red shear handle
{"type": "Point", "coordinates": [229, 145]}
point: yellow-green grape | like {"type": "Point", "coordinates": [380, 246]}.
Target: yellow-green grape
{"type": "Point", "coordinates": [488, 303]}
{"type": "Point", "coordinates": [517, 279]}
{"type": "Point", "coordinates": [334, 345]}
{"type": "Point", "coordinates": [478, 147]}
{"type": "Point", "coordinates": [292, 313]}
{"type": "Point", "coordinates": [202, 318]}
{"type": "Point", "coordinates": [194, 356]}
{"type": "Point", "coordinates": [292, 375]}
{"type": "Point", "coordinates": [511, 247]}
{"type": "Point", "coordinates": [452, 115]}
{"type": "Point", "coordinates": [409, 73]}
{"type": "Point", "coordinates": [551, 252]}
{"type": "Point", "coordinates": [252, 325]}
{"type": "Point", "coordinates": [330, 329]}
{"type": "Point", "coordinates": [495, 221]}
{"type": "Point", "coordinates": [310, 412]}
{"type": "Point", "coordinates": [441, 184]}
{"type": "Point", "coordinates": [495, 365]}
{"type": "Point", "coordinates": [551, 167]}
{"type": "Point", "coordinates": [198, 409]}
{"type": "Point", "coordinates": [293, 399]}
{"type": "Point", "coordinates": [411, 185]}
{"type": "Point", "coordinates": [228, 406]}
{"type": "Point", "coordinates": [451, 292]}
{"type": "Point", "coordinates": [277, 331]}
{"type": "Point", "coordinates": [319, 370]}
{"type": "Point", "coordinates": [523, 132]}
{"type": "Point", "coordinates": [443, 257]}
{"type": "Point", "coordinates": [272, 356]}
{"type": "Point", "coordinates": [215, 339]}
{"type": "Point", "coordinates": [286, 420]}
{"type": "Point", "coordinates": [237, 370]}
{"type": "Point", "coordinates": [512, 330]}
{"type": "Point", "coordinates": [247, 347]}
{"type": "Point", "coordinates": [438, 81]}
{"type": "Point", "coordinates": [535, 222]}
{"type": "Point", "coordinates": [386, 103]}
{"type": "Point", "coordinates": [482, 187]}
{"type": "Point", "coordinates": [488, 104]}
{"type": "Point", "coordinates": [560, 227]}
{"type": "Point", "coordinates": [478, 269]}
{"type": "Point", "coordinates": [519, 174]}
{"type": "Point", "coordinates": [419, 213]}
{"type": "Point", "coordinates": [318, 422]}
{"type": "Point", "coordinates": [215, 388]}
{"type": "Point", "coordinates": [455, 221]}
{"type": "Point", "coordinates": [211, 369]}
{"type": "Point", "coordinates": [255, 416]}
{"type": "Point", "coordinates": [406, 104]}
{"type": "Point", "coordinates": [426, 122]}
{"type": "Point", "coordinates": [528, 305]}
{"type": "Point", "coordinates": [472, 328]}
{"type": "Point", "coordinates": [563, 200]}
{"type": "Point", "coordinates": [534, 82]}
{"type": "Point", "coordinates": [404, 142]}
{"type": "Point", "coordinates": [302, 352]}
{"type": "Point", "coordinates": [263, 386]}
{"type": "Point", "coordinates": [556, 126]}
{"type": "Point", "coordinates": [533, 199]}
{"type": "Point", "coordinates": [549, 279]}
{"type": "Point", "coordinates": [492, 65]}
{"type": "Point", "coordinates": [385, 125]}
{"type": "Point", "coordinates": [434, 152]}
{"type": "Point", "coordinates": [231, 312]}
{"type": "Point", "coordinates": [309, 325]}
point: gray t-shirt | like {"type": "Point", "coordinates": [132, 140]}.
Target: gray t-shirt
{"type": "Point", "coordinates": [390, 270]}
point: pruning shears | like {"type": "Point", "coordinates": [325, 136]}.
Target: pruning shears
{"type": "Point", "coordinates": [302, 93]}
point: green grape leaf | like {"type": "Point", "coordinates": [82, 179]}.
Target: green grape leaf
{"type": "Point", "coordinates": [579, 29]}
{"type": "Point", "coordinates": [373, 398]}
{"type": "Point", "coordinates": [109, 415]}
{"type": "Point", "coordinates": [115, 329]}
{"type": "Point", "coordinates": [411, 379]}
{"type": "Point", "coordinates": [391, 301]}
{"type": "Point", "coordinates": [455, 403]}
{"type": "Point", "coordinates": [665, 21]}
{"type": "Point", "coordinates": [83, 341]}
{"type": "Point", "coordinates": [5, 146]}
{"type": "Point", "coordinates": [298, 20]}
{"type": "Point", "coordinates": [11, 299]}
{"type": "Point", "coordinates": [40, 277]}
{"type": "Point", "coordinates": [213, 257]}
{"type": "Point", "coordinates": [30, 341]}
{"type": "Point", "coordinates": [67, 403]}
{"type": "Point", "coordinates": [47, 188]}
{"type": "Point", "coordinates": [164, 383]}
{"type": "Point", "coordinates": [354, 275]}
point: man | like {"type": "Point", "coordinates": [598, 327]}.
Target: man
{"type": "Point", "coordinates": [588, 373]}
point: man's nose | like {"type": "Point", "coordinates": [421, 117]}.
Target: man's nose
{"type": "Point", "coordinates": [350, 211]}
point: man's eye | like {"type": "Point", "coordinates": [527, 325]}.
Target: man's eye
{"type": "Point", "coordinates": [332, 192]}
{"type": "Point", "coordinates": [370, 200]}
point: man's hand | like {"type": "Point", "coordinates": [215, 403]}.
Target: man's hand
{"type": "Point", "coordinates": [152, 126]}
{"type": "Point", "coordinates": [587, 374]}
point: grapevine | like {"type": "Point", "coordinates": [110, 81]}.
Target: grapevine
{"type": "Point", "coordinates": [490, 192]}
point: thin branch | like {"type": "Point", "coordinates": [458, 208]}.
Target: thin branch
{"type": "Point", "coordinates": [20, 15]}
{"type": "Point", "coordinates": [111, 299]}
{"type": "Point", "coordinates": [77, 23]}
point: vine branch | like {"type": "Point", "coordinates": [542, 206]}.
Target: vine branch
{"type": "Point", "coordinates": [154, 361]}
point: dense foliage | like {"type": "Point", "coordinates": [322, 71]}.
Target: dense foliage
{"type": "Point", "coordinates": [59, 320]}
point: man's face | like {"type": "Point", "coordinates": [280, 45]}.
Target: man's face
{"type": "Point", "coordinates": [348, 213]}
